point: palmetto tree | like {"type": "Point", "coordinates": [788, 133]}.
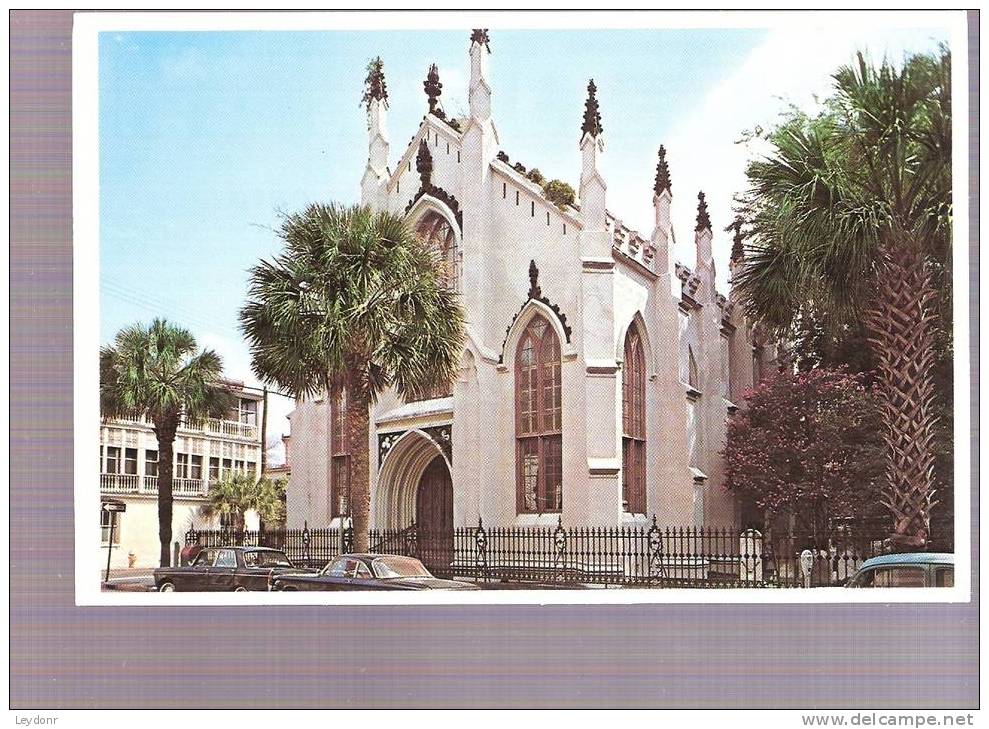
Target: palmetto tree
{"type": "Point", "coordinates": [159, 373]}
{"type": "Point", "coordinates": [850, 218]}
{"type": "Point", "coordinates": [235, 494]}
{"type": "Point", "coordinates": [354, 301]}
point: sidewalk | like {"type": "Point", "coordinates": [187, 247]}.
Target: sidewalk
{"type": "Point", "coordinates": [138, 579]}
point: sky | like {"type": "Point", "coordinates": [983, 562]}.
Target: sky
{"type": "Point", "coordinates": [207, 137]}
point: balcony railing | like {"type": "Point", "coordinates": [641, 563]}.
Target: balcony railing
{"type": "Point", "coordinates": [125, 483]}
{"type": "Point", "coordinates": [231, 427]}
{"type": "Point", "coordinates": [120, 483]}
{"type": "Point", "coordinates": [216, 426]}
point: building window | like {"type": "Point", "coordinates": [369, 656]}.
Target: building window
{"type": "Point", "coordinates": [150, 463]}
{"type": "Point", "coordinates": [438, 234]}
{"type": "Point", "coordinates": [516, 197]}
{"type": "Point", "coordinates": [693, 375]}
{"type": "Point", "coordinates": [538, 415]}
{"type": "Point", "coordinates": [251, 466]}
{"type": "Point", "coordinates": [182, 465]}
{"type": "Point", "coordinates": [339, 456]}
{"type": "Point", "coordinates": [196, 468]}
{"type": "Point", "coordinates": [725, 367]}
{"type": "Point", "coordinates": [249, 412]}
{"type": "Point", "coordinates": [112, 459]}
{"type": "Point", "coordinates": [228, 465]}
{"type": "Point", "coordinates": [634, 424]}
{"type": "Point", "coordinates": [130, 461]}
{"type": "Point", "coordinates": [106, 519]}
{"type": "Point", "coordinates": [504, 191]}
{"type": "Point", "coordinates": [214, 468]}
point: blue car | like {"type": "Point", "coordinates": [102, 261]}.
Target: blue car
{"type": "Point", "coordinates": [914, 569]}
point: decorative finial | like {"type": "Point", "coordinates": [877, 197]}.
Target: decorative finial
{"type": "Point", "coordinates": [592, 117]}
{"type": "Point", "coordinates": [737, 249]}
{"type": "Point", "coordinates": [374, 84]}
{"type": "Point", "coordinates": [424, 164]}
{"type": "Point", "coordinates": [662, 174]}
{"type": "Point", "coordinates": [480, 35]}
{"type": "Point", "coordinates": [703, 219]}
{"type": "Point", "coordinates": [433, 89]}
{"type": "Point", "coordinates": [535, 291]}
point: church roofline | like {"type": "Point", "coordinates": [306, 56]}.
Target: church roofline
{"type": "Point", "coordinates": [429, 121]}
{"type": "Point", "coordinates": [521, 180]}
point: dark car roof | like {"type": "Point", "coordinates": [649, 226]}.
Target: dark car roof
{"type": "Point", "coordinates": [914, 558]}
{"type": "Point", "coordinates": [242, 548]}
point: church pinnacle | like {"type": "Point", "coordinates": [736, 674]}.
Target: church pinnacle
{"type": "Point", "coordinates": [592, 116]}
{"type": "Point", "coordinates": [433, 89]}
{"type": "Point", "coordinates": [703, 219]}
{"type": "Point", "coordinates": [737, 247]}
{"type": "Point", "coordinates": [480, 35]}
{"type": "Point", "coordinates": [375, 88]}
{"type": "Point", "coordinates": [662, 174]}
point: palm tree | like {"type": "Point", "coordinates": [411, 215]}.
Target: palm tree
{"type": "Point", "coordinates": [159, 373]}
{"type": "Point", "coordinates": [355, 302]}
{"type": "Point", "coordinates": [850, 217]}
{"type": "Point", "coordinates": [237, 493]}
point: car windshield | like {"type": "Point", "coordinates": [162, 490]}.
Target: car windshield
{"type": "Point", "coordinates": [266, 559]}
{"type": "Point", "coordinates": [385, 567]}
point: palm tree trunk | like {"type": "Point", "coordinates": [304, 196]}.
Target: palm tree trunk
{"type": "Point", "coordinates": [165, 432]}
{"type": "Point", "coordinates": [901, 329]}
{"type": "Point", "coordinates": [359, 426]}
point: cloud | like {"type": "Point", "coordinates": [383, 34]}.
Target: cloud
{"type": "Point", "coordinates": [792, 65]}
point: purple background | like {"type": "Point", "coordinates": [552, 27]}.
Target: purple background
{"type": "Point", "coordinates": [664, 656]}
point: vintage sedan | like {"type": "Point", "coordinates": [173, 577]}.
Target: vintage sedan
{"type": "Point", "coordinates": [369, 572]}
{"type": "Point", "coordinates": [226, 569]}
{"type": "Point", "coordinates": [915, 569]}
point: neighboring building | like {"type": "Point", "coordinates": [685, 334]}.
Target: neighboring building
{"type": "Point", "coordinates": [129, 473]}
{"type": "Point", "coordinates": [597, 373]}
{"type": "Point", "coordinates": [283, 469]}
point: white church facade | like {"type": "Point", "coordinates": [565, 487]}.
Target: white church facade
{"type": "Point", "coordinates": [597, 375]}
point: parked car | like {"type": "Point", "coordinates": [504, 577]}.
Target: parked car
{"type": "Point", "coordinates": [369, 572]}
{"type": "Point", "coordinates": [916, 569]}
{"type": "Point", "coordinates": [226, 569]}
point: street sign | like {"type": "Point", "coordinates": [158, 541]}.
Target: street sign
{"type": "Point", "coordinates": [115, 506]}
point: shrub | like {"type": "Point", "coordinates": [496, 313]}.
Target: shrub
{"type": "Point", "coordinates": [559, 193]}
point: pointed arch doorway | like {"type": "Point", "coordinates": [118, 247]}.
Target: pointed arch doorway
{"type": "Point", "coordinates": [434, 516]}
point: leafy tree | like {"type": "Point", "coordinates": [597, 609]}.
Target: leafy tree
{"type": "Point", "coordinates": [237, 493]}
{"type": "Point", "coordinates": [807, 445]}
{"type": "Point", "coordinates": [158, 372]}
{"type": "Point", "coordinates": [850, 223]}
{"type": "Point", "coordinates": [559, 193]}
{"type": "Point", "coordinates": [354, 301]}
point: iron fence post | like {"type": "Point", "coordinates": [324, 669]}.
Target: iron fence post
{"type": "Point", "coordinates": [481, 551]}
{"type": "Point", "coordinates": [560, 544]}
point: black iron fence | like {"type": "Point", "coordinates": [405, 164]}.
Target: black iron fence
{"type": "Point", "coordinates": [647, 555]}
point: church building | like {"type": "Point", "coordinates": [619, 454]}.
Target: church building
{"type": "Point", "coordinates": [597, 374]}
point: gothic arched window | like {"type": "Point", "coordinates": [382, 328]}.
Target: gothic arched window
{"type": "Point", "coordinates": [437, 232]}
{"type": "Point", "coordinates": [634, 423]}
{"type": "Point", "coordinates": [538, 426]}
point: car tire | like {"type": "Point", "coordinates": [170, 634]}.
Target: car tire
{"type": "Point", "coordinates": [240, 588]}
{"type": "Point", "coordinates": [166, 587]}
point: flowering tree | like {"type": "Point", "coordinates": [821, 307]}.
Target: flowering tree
{"type": "Point", "coordinates": [808, 445]}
